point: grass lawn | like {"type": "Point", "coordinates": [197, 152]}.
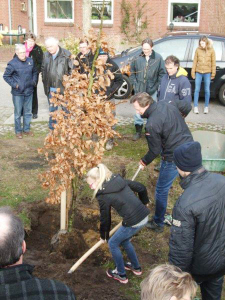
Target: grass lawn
{"type": "Point", "coordinates": [20, 166]}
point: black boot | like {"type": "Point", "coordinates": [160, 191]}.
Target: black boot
{"type": "Point", "coordinates": [137, 135]}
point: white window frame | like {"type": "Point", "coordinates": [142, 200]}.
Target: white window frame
{"type": "Point", "coordinates": [184, 24]}
{"type": "Point", "coordinates": [105, 21]}
{"type": "Point", "coordinates": [58, 20]}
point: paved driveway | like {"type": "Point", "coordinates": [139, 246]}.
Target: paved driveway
{"type": "Point", "coordinates": [124, 110]}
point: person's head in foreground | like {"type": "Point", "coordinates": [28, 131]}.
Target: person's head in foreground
{"type": "Point", "coordinates": [147, 45]}
{"type": "Point", "coordinates": [12, 244]}
{"type": "Point", "coordinates": [168, 282]}
{"type": "Point", "coordinates": [188, 158]}
{"type": "Point", "coordinates": [103, 55]}
{"type": "Point", "coordinates": [83, 47]}
{"type": "Point", "coordinates": [52, 45]}
{"type": "Point", "coordinates": [20, 51]}
{"type": "Point", "coordinates": [141, 101]}
{"type": "Point", "coordinates": [172, 64]}
{"type": "Point", "coordinates": [96, 176]}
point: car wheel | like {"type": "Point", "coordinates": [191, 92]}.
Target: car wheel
{"type": "Point", "coordinates": [222, 94]}
{"type": "Point", "coordinates": [125, 90]}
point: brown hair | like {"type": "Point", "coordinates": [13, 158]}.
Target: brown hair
{"type": "Point", "coordinates": [172, 59]}
{"type": "Point", "coordinates": [143, 99]}
{"type": "Point", "coordinates": [147, 41]}
{"type": "Point", "coordinates": [30, 35]}
{"type": "Point", "coordinates": [166, 281]}
{"type": "Point", "coordinates": [204, 39]}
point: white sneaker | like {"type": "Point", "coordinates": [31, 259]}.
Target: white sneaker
{"type": "Point", "coordinates": [196, 110]}
{"type": "Point", "coordinates": [206, 110]}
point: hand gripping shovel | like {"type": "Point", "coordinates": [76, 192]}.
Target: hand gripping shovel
{"type": "Point", "coordinates": [99, 243]}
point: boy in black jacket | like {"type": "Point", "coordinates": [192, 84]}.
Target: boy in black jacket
{"type": "Point", "coordinates": [197, 241]}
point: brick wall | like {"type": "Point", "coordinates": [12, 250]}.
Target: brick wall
{"type": "Point", "coordinates": [211, 19]}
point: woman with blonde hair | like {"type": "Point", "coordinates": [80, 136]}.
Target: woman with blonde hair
{"type": "Point", "coordinates": [204, 67]}
{"type": "Point", "coordinates": [168, 282]}
{"type": "Point", "coordinates": [113, 191]}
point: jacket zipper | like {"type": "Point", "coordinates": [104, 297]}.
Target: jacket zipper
{"type": "Point", "coordinates": [166, 89]}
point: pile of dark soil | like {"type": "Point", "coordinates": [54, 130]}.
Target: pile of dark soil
{"type": "Point", "coordinates": [89, 281]}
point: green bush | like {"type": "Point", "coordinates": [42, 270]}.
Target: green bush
{"type": "Point", "coordinates": [71, 43]}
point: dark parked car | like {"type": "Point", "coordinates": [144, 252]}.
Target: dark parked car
{"type": "Point", "coordinates": [183, 46]}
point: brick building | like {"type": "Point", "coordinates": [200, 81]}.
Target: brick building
{"type": "Point", "coordinates": [57, 18]}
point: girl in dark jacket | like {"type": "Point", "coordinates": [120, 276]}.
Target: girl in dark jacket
{"type": "Point", "coordinates": [35, 52]}
{"type": "Point", "coordinates": [113, 191]}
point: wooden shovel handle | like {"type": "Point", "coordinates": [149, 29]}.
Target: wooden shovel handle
{"type": "Point", "coordinates": [90, 251]}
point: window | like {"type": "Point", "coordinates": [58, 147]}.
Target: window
{"type": "Point", "coordinates": [217, 45]}
{"type": "Point", "coordinates": [59, 11]}
{"type": "Point", "coordinates": [184, 13]}
{"type": "Point", "coordinates": [175, 47]}
{"type": "Point", "coordinates": [107, 14]}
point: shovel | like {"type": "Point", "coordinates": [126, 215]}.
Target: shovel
{"type": "Point", "coordinates": [99, 243]}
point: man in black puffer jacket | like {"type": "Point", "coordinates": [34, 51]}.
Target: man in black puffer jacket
{"type": "Point", "coordinates": [56, 63]}
{"type": "Point", "coordinates": [165, 130]}
{"type": "Point", "coordinates": [197, 242]}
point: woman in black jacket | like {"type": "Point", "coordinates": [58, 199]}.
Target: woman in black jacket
{"type": "Point", "coordinates": [113, 191]}
{"type": "Point", "coordinates": [35, 52]}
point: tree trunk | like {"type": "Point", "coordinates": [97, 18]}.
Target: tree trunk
{"type": "Point", "coordinates": [86, 16]}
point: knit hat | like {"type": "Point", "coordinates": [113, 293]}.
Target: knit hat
{"type": "Point", "coordinates": [102, 52]}
{"type": "Point", "coordinates": [188, 157]}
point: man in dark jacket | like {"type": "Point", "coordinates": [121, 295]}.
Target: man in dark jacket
{"type": "Point", "coordinates": [16, 279]}
{"type": "Point", "coordinates": [115, 83]}
{"type": "Point", "coordinates": [21, 75]}
{"type": "Point", "coordinates": [165, 130]}
{"type": "Point", "coordinates": [56, 63]}
{"type": "Point", "coordinates": [146, 73]}
{"type": "Point", "coordinates": [84, 58]}
{"type": "Point", "coordinates": [197, 241]}
{"type": "Point", "coordinates": [175, 84]}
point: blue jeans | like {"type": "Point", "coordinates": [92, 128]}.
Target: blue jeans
{"type": "Point", "coordinates": [198, 81]}
{"type": "Point", "coordinates": [122, 238]}
{"type": "Point", "coordinates": [22, 103]}
{"type": "Point", "coordinates": [137, 118]}
{"type": "Point", "coordinates": [167, 174]}
{"type": "Point", "coordinates": [52, 108]}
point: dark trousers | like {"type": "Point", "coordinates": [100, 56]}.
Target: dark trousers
{"type": "Point", "coordinates": [35, 101]}
{"type": "Point", "coordinates": [212, 289]}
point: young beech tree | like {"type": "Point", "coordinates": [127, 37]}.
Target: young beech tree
{"type": "Point", "coordinates": [70, 148]}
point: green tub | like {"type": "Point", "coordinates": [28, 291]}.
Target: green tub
{"type": "Point", "coordinates": [213, 149]}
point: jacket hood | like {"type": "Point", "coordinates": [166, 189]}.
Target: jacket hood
{"type": "Point", "coordinates": [181, 71]}
{"type": "Point", "coordinates": [114, 185]}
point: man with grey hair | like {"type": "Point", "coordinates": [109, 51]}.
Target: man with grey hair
{"type": "Point", "coordinates": [56, 63]}
{"type": "Point", "coordinates": [21, 75]}
{"type": "Point", "coordinates": [16, 279]}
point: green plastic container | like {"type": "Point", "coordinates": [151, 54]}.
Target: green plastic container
{"type": "Point", "coordinates": [213, 149]}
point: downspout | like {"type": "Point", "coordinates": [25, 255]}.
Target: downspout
{"type": "Point", "coordinates": [10, 15]}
